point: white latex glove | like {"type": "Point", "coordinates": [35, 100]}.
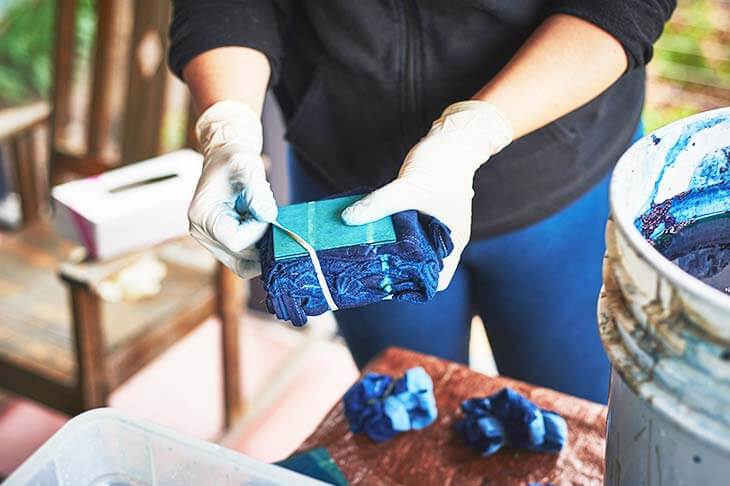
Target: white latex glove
{"type": "Point", "coordinates": [231, 139]}
{"type": "Point", "coordinates": [437, 175]}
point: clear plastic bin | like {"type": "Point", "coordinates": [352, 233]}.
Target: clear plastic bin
{"type": "Point", "coordinates": [103, 447]}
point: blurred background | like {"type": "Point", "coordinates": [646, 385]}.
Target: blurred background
{"type": "Point", "coordinates": [62, 317]}
{"type": "Point", "coordinates": [690, 71]}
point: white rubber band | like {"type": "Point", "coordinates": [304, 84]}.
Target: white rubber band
{"type": "Point", "coordinates": [315, 261]}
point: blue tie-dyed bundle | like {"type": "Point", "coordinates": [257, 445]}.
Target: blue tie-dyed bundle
{"type": "Point", "coordinates": [382, 407]}
{"type": "Point", "coordinates": [509, 419]}
{"type": "Point", "coordinates": [406, 269]}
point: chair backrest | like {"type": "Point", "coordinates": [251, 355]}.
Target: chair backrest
{"type": "Point", "coordinates": [118, 118]}
{"type": "Point", "coordinates": [113, 115]}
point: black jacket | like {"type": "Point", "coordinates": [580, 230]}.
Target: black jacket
{"type": "Point", "coordinates": [360, 81]}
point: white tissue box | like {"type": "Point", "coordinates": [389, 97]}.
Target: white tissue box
{"type": "Point", "coordinates": [129, 208]}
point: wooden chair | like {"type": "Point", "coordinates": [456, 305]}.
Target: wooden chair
{"type": "Point", "coordinates": [128, 96]}
{"type": "Point", "coordinates": [60, 344]}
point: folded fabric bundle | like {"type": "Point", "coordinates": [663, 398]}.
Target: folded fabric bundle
{"type": "Point", "coordinates": [406, 268]}
{"type": "Point", "coordinates": [509, 419]}
{"type": "Point", "coordinates": [382, 407]}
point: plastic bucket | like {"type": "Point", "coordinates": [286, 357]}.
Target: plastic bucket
{"type": "Point", "coordinates": [667, 334]}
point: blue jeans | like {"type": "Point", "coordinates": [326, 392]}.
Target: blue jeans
{"type": "Point", "coordinates": [535, 289]}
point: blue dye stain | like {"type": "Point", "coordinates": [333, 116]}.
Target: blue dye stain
{"type": "Point", "coordinates": [655, 140]}
{"type": "Point", "coordinates": [386, 283]}
{"type": "Point", "coordinates": [711, 169]}
{"type": "Point", "coordinates": [684, 139]}
{"type": "Point", "coordinates": [692, 229]}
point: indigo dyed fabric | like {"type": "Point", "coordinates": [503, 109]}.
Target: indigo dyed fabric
{"type": "Point", "coordinates": [381, 407]}
{"type": "Point", "coordinates": [509, 419]}
{"type": "Point", "coordinates": [405, 270]}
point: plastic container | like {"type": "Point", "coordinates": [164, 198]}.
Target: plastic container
{"type": "Point", "coordinates": [667, 334]}
{"type": "Point", "coordinates": [103, 447]}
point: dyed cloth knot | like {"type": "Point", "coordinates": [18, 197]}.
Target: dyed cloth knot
{"type": "Point", "coordinates": [382, 407]}
{"type": "Point", "coordinates": [406, 269]}
{"type": "Point", "coordinates": [509, 419]}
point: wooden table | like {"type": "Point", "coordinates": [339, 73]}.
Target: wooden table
{"type": "Point", "coordinates": [436, 455]}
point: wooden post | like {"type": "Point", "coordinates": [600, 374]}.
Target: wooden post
{"type": "Point", "coordinates": [90, 346]}
{"type": "Point", "coordinates": [63, 52]}
{"type": "Point", "coordinates": [112, 40]}
{"type": "Point", "coordinates": [229, 293]}
{"type": "Point", "coordinates": [144, 112]}
{"type": "Point", "coordinates": [22, 152]}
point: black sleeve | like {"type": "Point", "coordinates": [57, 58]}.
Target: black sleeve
{"type": "Point", "coordinates": [201, 25]}
{"type": "Point", "coordinates": [637, 24]}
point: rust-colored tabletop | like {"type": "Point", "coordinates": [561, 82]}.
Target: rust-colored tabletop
{"type": "Point", "coordinates": [437, 456]}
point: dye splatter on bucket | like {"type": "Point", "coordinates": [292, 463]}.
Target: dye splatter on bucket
{"type": "Point", "coordinates": [664, 315]}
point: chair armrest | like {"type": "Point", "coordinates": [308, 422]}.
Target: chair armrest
{"type": "Point", "coordinates": [16, 120]}
{"type": "Point", "coordinates": [90, 272]}
{"type": "Point", "coordinates": [182, 251]}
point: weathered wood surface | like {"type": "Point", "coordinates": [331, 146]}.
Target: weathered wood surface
{"type": "Point", "coordinates": [148, 75]}
{"type": "Point", "coordinates": [29, 157]}
{"type": "Point", "coordinates": [117, 116]}
{"type": "Point", "coordinates": [108, 86]}
{"type": "Point", "coordinates": [89, 346]}
{"type": "Point", "coordinates": [64, 48]}
{"type": "Point", "coordinates": [23, 135]}
{"type": "Point", "coordinates": [36, 329]}
{"type": "Point", "coordinates": [34, 313]}
{"type": "Point", "coordinates": [126, 109]}
{"type": "Point", "coordinates": [436, 455]}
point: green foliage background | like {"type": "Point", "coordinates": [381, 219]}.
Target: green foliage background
{"type": "Point", "coordinates": [26, 40]}
{"type": "Point", "coordinates": [690, 71]}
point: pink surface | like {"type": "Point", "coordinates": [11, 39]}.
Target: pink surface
{"type": "Point", "coordinates": [310, 395]}
{"type": "Point", "coordinates": [182, 390]}
{"type": "Point", "coordinates": [23, 428]}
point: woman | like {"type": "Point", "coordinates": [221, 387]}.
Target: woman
{"type": "Point", "coordinates": [533, 103]}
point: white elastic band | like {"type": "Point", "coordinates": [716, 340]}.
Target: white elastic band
{"type": "Point", "coordinates": [315, 262]}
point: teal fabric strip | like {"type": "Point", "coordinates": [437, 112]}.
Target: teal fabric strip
{"type": "Point", "coordinates": [315, 262]}
{"type": "Point", "coordinates": [316, 463]}
{"type": "Point", "coordinates": [319, 223]}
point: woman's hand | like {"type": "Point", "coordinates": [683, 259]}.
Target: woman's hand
{"type": "Point", "coordinates": [437, 174]}
{"type": "Point", "coordinates": [231, 139]}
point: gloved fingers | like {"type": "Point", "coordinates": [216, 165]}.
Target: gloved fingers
{"type": "Point", "coordinates": [258, 199]}
{"type": "Point", "coordinates": [232, 233]}
{"type": "Point", "coordinates": [247, 268]}
{"type": "Point", "coordinates": [460, 240]}
{"type": "Point", "coordinates": [247, 178]}
{"type": "Point", "coordinates": [246, 265]}
{"type": "Point", "coordinates": [220, 253]}
{"type": "Point", "coordinates": [390, 199]}
{"type": "Point", "coordinates": [251, 253]}
{"type": "Point", "coordinates": [447, 273]}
